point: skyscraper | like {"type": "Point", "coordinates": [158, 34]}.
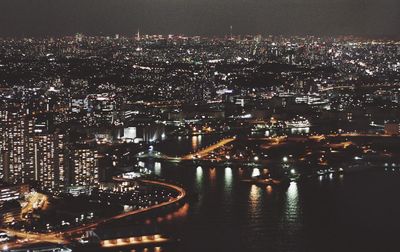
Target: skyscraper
{"type": "Point", "coordinates": [17, 146]}
{"type": "Point", "coordinates": [85, 166]}
{"type": "Point", "coordinates": [50, 162]}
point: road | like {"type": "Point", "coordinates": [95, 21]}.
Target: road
{"type": "Point", "coordinates": [208, 149]}
{"type": "Point", "coordinates": [181, 195]}
{"type": "Point", "coordinates": [198, 154]}
{"type": "Point", "coordinates": [59, 237]}
{"type": "Point", "coordinates": [31, 238]}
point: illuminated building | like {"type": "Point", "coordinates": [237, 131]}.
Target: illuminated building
{"type": "Point", "coordinates": [10, 209]}
{"type": "Point", "coordinates": [150, 133]}
{"type": "Point", "coordinates": [17, 147]}
{"type": "Point", "coordinates": [85, 167]}
{"type": "Point", "coordinates": [103, 107]}
{"type": "Point", "coordinates": [77, 105]}
{"type": "Point", "coordinates": [50, 161]}
{"type": "Point", "coordinates": [28, 157]}
{"type": "Point", "coordinates": [12, 192]}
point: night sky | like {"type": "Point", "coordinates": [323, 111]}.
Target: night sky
{"type": "Point", "coordinates": [200, 17]}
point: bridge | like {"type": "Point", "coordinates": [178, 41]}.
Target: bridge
{"type": "Point", "coordinates": [195, 155]}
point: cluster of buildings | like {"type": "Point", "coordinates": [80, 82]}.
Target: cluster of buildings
{"type": "Point", "coordinates": [69, 104]}
{"type": "Point", "coordinates": [31, 154]}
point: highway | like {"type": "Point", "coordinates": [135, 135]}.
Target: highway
{"type": "Point", "coordinates": [198, 155]}
{"type": "Point", "coordinates": [59, 237]}
{"type": "Point", "coordinates": [181, 191]}
{"type": "Point", "coordinates": [26, 238]}
{"type": "Point", "coordinates": [208, 149]}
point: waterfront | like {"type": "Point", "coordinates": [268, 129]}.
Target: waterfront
{"type": "Point", "coordinates": [352, 212]}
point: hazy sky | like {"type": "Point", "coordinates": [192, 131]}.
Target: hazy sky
{"type": "Point", "coordinates": [200, 17]}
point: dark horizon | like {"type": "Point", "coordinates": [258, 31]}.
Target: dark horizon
{"type": "Point", "coordinates": [42, 18]}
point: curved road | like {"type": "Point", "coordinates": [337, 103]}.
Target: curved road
{"type": "Point", "coordinates": [181, 191]}
{"type": "Point", "coordinates": [57, 237]}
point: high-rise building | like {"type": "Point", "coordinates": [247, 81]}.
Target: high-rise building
{"type": "Point", "coordinates": [30, 156]}
{"type": "Point", "coordinates": [103, 107]}
{"type": "Point", "coordinates": [17, 146]}
{"type": "Point", "coordinates": [50, 162]}
{"type": "Point", "coordinates": [85, 162]}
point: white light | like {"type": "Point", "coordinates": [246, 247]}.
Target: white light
{"type": "Point", "coordinates": [285, 159]}
{"type": "Point", "coordinates": [255, 158]}
{"type": "Point", "coordinates": [255, 173]}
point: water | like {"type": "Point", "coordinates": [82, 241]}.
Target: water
{"type": "Point", "coordinates": [350, 212]}
{"type": "Point", "coordinates": [183, 145]}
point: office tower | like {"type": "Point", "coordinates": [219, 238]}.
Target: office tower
{"type": "Point", "coordinates": [85, 166]}
{"type": "Point", "coordinates": [50, 161]}
{"type": "Point", "coordinates": [103, 107]}
{"type": "Point", "coordinates": [17, 147]}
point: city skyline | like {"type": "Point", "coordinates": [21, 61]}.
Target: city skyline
{"type": "Point", "coordinates": [183, 125]}
{"type": "Point", "coordinates": [210, 18]}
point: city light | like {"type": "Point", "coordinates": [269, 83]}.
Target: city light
{"type": "Point", "coordinates": [111, 141]}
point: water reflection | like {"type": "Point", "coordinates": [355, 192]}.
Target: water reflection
{"type": "Point", "coordinates": [269, 189]}
{"type": "Point", "coordinates": [292, 195]}
{"type": "Point", "coordinates": [228, 177]}
{"type": "Point", "coordinates": [254, 199]}
{"type": "Point", "coordinates": [213, 176]}
{"type": "Point", "coordinates": [157, 168]}
{"type": "Point", "coordinates": [305, 130]}
{"type": "Point", "coordinates": [180, 213]}
{"type": "Point", "coordinates": [199, 177]}
{"type": "Point", "coordinates": [241, 170]}
{"type": "Point", "coordinates": [246, 217]}
{"type": "Point", "coordinates": [196, 142]}
{"type": "Point", "coordinates": [291, 216]}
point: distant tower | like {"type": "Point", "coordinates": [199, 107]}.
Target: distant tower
{"type": "Point", "coordinates": [138, 35]}
{"type": "Point", "coordinates": [231, 33]}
